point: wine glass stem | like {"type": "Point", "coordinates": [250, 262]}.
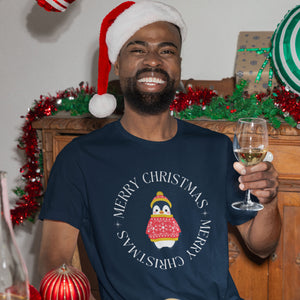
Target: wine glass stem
{"type": "Point", "coordinates": [248, 197]}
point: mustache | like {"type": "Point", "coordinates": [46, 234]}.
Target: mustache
{"type": "Point", "coordinates": [152, 70]}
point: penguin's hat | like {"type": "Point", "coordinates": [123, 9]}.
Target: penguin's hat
{"type": "Point", "coordinates": [116, 28]}
{"type": "Point", "coordinates": [160, 197]}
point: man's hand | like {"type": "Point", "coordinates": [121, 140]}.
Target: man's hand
{"type": "Point", "coordinates": [260, 179]}
{"type": "Point", "coordinates": [261, 234]}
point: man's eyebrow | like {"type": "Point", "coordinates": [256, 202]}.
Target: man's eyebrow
{"type": "Point", "coordinates": [142, 43]}
{"type": "Point", "coordinates": [136, 43]}
{"type": "Point", "coordinates": [165, 44]}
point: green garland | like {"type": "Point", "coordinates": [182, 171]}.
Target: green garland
{"type": "Point", "coordinates": [231, 108]}
{"type": "Point", "coordinates": [240, 105]}
{"type": "Point", "coordinates": [76, 106]}
{"type": "Point", "coordinates": [76, 101]}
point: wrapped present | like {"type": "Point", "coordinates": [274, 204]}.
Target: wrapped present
{"type": "Point", "coordinates": [252, 61]}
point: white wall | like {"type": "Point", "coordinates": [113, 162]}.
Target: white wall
{"type": "Point", "coordinates": [42, 52]}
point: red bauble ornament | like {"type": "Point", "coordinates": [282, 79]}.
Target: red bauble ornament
{"type": "Point", "coordinates": [65, 283]}
{"type": "Point", "coordinates": [34, 293]}
{"type": "Point", "coordinates": [54, 5]}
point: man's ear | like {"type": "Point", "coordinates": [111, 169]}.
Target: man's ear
{"type": "Point", "coordinates": [116, 67]}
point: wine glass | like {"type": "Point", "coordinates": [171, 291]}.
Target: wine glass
{"type": "Point", "coordinates": [250, 146]}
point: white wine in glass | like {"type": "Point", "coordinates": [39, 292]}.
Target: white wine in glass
{"type": "Point", "coordinates": [250, 146]}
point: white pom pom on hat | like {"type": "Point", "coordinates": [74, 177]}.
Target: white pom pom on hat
{"type": "Point", "coordinates": [103, 105]}
{"type": "Point", "coordinates": [116, 28]}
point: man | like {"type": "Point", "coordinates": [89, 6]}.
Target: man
{"type": "Point", "coordinates": [151, 195]}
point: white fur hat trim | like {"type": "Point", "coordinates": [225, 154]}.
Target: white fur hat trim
{"type": "Point", "coordinates": [134, 18]}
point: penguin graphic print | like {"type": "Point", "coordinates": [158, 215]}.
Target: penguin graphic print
{"type": "Point", "coordinates": [162, 228]}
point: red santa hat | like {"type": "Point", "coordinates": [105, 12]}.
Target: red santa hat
{"type": "Point", "coordinates": [117, 27]}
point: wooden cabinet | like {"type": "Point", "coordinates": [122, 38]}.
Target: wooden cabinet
{"type": "Point", "coordinates": [276, 278]}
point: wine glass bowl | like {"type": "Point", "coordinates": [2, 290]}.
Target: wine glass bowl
{"type": "Point", "coordinates": [250, 146]}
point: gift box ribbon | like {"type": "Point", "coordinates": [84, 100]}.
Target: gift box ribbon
{"type": "Point", "coordinates": [261, 69]}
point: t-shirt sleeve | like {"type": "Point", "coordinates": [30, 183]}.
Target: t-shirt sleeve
{"type": "Point", "coordinates": [234, 194]}
{"type": "Point", "coordinates": [65, 196]}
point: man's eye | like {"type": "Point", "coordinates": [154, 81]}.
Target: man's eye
{"type": "Point", "coordinates": [168, 51]}
{"type": "Point", "coordinates": [139, 51]}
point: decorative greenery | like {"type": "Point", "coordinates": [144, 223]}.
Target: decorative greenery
{"type": "Point", "coordinates": [241, 104]}
{"type": "Point", "coordinates": [75, 101]}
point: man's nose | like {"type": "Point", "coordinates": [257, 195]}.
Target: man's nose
{"type": "Point", "coordinates": [152, 59]}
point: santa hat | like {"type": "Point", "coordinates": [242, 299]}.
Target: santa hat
{"type": "Point", "coordinates": [117, 27]}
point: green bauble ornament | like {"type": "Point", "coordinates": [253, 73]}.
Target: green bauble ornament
{"type": "Point", "coordinates": [286, 50]}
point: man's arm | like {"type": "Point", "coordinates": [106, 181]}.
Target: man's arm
{"type": "Point", "coordinates": [262, 233]}
{"type": "Point", "coordinates": [58, 245]}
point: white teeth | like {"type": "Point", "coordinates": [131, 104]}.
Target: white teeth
{"type": "Point", "coordinates": [151, 80]}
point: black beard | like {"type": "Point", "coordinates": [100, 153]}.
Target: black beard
{"type": "Point", "coordinates": [149, 103]}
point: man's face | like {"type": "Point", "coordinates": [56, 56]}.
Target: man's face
{"type": "Point", "coordinates": [149, 67]}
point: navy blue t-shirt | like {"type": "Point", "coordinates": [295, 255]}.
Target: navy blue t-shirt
{"type": "Point", "coordinates": [153, 215]}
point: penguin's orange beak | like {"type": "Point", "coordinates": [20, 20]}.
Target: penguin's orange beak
{"type": "Point", "coordinates": [161, 212]}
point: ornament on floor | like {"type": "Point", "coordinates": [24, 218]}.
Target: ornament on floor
{"type": "Point", "coordinates": [66, 282]}
{"type": "Point", "coordinates": [285, 50]}
{"type": "Point", "coordinates": [55, 5]}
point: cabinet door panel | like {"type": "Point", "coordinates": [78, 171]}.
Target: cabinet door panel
{"type": "Point", "coordinates": [286, 159]}
{"type": "Point", "coordinates": [249, 273]}
{"type": "Point", "coordinates": [284, 268]}
{"type": "Point", "coordinates": [59, 142]}
{"type": "Point", "coordinates": [291, 254]}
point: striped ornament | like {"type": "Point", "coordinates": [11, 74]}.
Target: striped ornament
{"type": "Point", "coordinates": [55, 5]}
{"type": "Point", "coordinates": [64, 283]}
{"type": "Point", "coordinates": [286, 50]}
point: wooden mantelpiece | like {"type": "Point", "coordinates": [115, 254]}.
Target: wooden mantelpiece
{"type": "Point", "coordinates": [276, 278]}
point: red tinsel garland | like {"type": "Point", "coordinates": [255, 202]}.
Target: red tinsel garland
{"type": "Point", "coordinates": [28, 204]}
{"type": "Point", "coordinates": [288, 102]}
{"type": "Point", "coordinates": [285, 100]}
{"type": "Point", "coordinates": [193, 97]}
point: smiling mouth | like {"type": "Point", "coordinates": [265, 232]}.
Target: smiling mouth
{"type": "Point", "coordinates": [151, 80]}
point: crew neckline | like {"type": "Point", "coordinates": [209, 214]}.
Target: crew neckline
{"type": "Point", "coordinates": [138, 139]}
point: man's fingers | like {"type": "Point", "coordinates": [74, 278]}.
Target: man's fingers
{"type": "Point", "coordinates": [261, 179]}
